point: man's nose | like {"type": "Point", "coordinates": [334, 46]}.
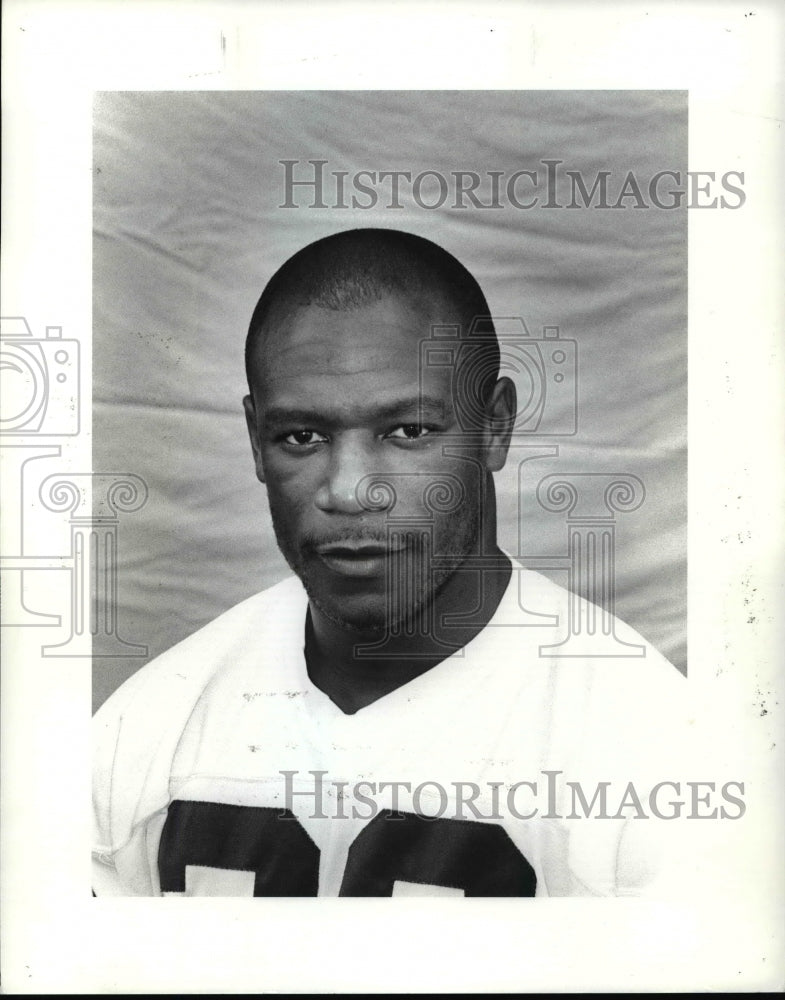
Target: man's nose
{"type": "Point", "coordinates": [341, 489]}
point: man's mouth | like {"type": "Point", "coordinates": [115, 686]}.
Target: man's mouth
{"type": "Point", "coordinates": [366, 559]}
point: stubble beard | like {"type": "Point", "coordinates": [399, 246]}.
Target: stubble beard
{"type": "Point", "coordinates": [456, 543]}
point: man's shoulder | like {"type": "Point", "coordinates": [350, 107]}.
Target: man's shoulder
{"type": "Point", "coordinates": [263, 621]}
{"type": "Point", "coordinates": [281, 605]}
{"type": "Point", "coordinates": [585, 638]}
{"type": "Point", "coordinates": [137, 730]}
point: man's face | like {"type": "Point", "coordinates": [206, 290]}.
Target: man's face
{"type": "Point", "coordinates": [350, 438]}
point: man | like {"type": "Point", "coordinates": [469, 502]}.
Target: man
{"type": "Point", "coordinates": [391, 719]}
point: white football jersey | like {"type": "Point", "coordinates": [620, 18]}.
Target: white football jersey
{"type": "Point", "coordinates": [505, 770]}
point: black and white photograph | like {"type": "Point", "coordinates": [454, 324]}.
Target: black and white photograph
{"type": "Point", "coordinates": [417, 675]}
{"type": "Point", "coordinates": [386, 517]}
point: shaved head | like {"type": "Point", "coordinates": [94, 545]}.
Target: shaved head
{"type": "Point", "coordinates": [355, 268]}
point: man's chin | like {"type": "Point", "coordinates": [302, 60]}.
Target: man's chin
{"type": "Point", "coordinates": [363, 620]}
{"type": "Point", "coordinates": [366, 606]}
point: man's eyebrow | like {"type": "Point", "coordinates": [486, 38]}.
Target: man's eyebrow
{"type": "Point", "coordinates": [400, 408]}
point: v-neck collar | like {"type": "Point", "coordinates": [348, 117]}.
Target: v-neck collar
{"type": "Point", "coordinates": [419, 686]}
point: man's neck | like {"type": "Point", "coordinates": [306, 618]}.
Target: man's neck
{"type": "Point", "coordinates": [355, 669]}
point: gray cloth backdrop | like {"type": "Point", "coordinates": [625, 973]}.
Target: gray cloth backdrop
{"type": "Point", "coordinates": [188, 228]}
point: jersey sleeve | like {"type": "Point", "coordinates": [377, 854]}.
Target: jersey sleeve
{"type": "Point", "coordinates": [135, 736]}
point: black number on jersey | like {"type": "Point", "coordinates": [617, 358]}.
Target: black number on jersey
{"type": "Point", "coordinates": [269, 842]}
{"type": "Point", "coordinates": [478, 858]}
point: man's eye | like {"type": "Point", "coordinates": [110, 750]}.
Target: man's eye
{"type": "Point", "coordinates": [410, 432]}
{"type": "Point", "coordinates": [304, 437]}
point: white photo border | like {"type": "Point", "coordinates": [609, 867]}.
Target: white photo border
{"type": "Point", "coordinates": [59, 939]}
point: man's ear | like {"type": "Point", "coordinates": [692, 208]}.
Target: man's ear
{"type": "Point", "coordinates": [253, 434]}
{"type": "Point", "coordinates": [500, 410]}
